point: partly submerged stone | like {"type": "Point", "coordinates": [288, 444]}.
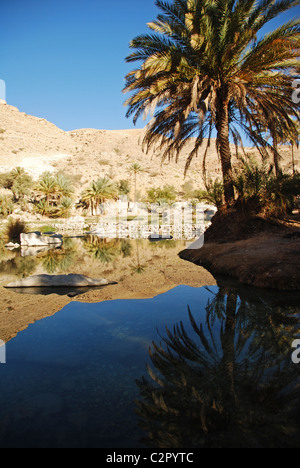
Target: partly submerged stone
{"type": "Point", "coordinates": [57, 281]}
{"type": "Point", "coordinates": [12, 246]}
{"type": "Point", "coordinates": [36, 239]}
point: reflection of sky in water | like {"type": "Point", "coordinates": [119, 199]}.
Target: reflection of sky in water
{"type": "Point", "coordinates": [70, 379]}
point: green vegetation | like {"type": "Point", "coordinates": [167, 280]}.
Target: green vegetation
{"type": "Point", "coordinates": [99, 192]}
{"type": "Point", "coordinates": [19, 182]}
{"type": "Point", "coordinates": [261, 192]}
{"type": "Point", "coordinates": [6, 206]}
{"type": "Point", "coordinates": [162, 196]}
{"type": "Point", "coordinates": [54, 195]}
{"type": "Point", "coordinates": [44, 229]}
{"type": "Point", "coordinates": [50, 196]}
{"type": "Point", "coordinates": [124, 187]}
{"type": "Point", "coordinates": [214, 194]}
{"type": "Point", "coordinates": [257, 191]}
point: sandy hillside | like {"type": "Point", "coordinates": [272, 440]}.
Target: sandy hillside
{"type": "Point", "coordinates": [38, 145]}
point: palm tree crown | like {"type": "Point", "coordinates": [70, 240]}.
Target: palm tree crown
{"type": "Point", "coordinates": [204, 68]}
{"type": "Point", "coordinates": [99, 192]}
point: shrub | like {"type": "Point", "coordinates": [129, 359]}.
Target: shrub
{"type": "Point", "coordinates": [280, 195]}
{"type": "Point", "coordinates": [104, 162]}
{"type": "Point", "coordinates": [214, 194]}
{"type": "Point", "coordinates": [18, 181]}
{"type": "Point", "coordinates": [262, 192]}
{"type": "Point", "coordinates": [124, 187]}
{"type": "Point", "coordinates": [165, 195]}
{"type": "Point", "coordinates": [64, 209]}
{"type": "Point", "coordinates": [6, 206]}
{"type": "Point", "coordinates": [14, 228]}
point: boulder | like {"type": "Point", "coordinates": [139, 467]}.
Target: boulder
{"type": "Point", "coordinates": [36, 239]}
{"type": "Point", "coordinates": [57, 281]}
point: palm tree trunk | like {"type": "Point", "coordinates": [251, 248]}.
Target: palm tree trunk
{"type": "Point", "coordinates": [228, 345]}
{"type": "Point", "coordinates": [293, 160]}
{"type": "Point", "coordinates": [222, 124]}
{"type": "Point", "coordinates": [276, 157]}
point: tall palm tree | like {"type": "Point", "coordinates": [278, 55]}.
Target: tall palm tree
{"type": "Point", "coordinates": [135, 169]}
{"type": "Point", "coordinates": [99, 192]}
{"type": "Point", "coordinates": [205, 67]}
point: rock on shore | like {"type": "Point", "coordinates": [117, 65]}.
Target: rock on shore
{"type": "Point", "coordinates": [35, 239]}
{"type": "Point", "coordinates": [265, 260]}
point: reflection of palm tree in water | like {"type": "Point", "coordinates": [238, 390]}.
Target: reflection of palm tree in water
{"type": "Point", "coordinates": [233, 387]}
{"type": "Point", "coordinates": [137, 266]}
{"type": "Point", "coordinates": [60, 260]}
{"type": "Point", "coordinates": [102, 249]}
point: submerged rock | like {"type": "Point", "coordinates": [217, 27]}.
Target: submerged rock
{"type": "Point", "coordinates": [36, 239]}
{"type": "Point", "coordinates": [12, 246]}
{"type": "Point", "coordinates": [57, 281]}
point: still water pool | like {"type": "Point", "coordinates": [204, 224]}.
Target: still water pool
{"type": "Point", "coordinates": [219, 373]}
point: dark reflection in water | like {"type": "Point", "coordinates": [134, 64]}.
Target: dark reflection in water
{"type": "Point", "coordinates": [222, 376]}
{"type": "Point", "coordinates": [227, 380]}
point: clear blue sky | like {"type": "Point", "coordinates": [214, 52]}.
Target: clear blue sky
{"type": "Point", "coordinates": [64, 60]}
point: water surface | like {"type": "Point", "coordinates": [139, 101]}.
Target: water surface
{"type": "Point", "coordinates": [80, 378]}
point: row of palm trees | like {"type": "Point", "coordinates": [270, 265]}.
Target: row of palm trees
{"type": "Point", "coordinates": [54, 194]}
{"type": "Point", "coordinates": [207, 67]}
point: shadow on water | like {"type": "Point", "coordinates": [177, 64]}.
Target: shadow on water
{"type": "Point", "coordinates": [227, 380]}
{"type": "Point", "coordinates": [60, 291]}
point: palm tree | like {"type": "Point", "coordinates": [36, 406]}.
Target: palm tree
{"type": "Point", "coordinates": [292, 138]}
{"type": "Point", "coordinates": [136, 169]}
{"type": "Point", "coordinates": [18, 172]}
{"type": "Point", "coordinates": [64, 186]}
{"type": "Point", "coordinates": [205, 68]}
{"type": "Point", "coordinates": [47, 187]}
{"type": "Point", "coordinates": [99, 192]}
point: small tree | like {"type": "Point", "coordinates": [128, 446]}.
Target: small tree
{"type": "Point", "coordinates": [18, 181]}
{"type": "Point", "coordinates": [214, 194]}
{"type": "Point", "coordinates": [6, 206]}
{"type": "Point", "coordinates": [161, 196]}
{"type": "Point", "coordinates": [124, 187]}
{"type": "Point", "coordinates": [136, 169]}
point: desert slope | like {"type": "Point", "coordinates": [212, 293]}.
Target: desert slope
{"type": "Point", "coordinates": [38, 145]}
